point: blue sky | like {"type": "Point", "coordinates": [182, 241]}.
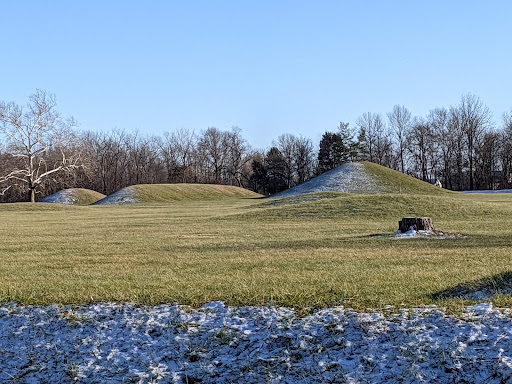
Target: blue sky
{"type": "Point", "coordinates": [268, 67]}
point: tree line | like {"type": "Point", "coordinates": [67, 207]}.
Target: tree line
{"type": "Point", "coordinates": [41, 152]}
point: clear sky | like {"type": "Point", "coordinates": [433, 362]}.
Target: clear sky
{"type": "Point", "coordinates": [268, 67]}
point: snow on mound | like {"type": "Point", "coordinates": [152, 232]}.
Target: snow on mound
{"type": "Point", "coordinates": [219, 344]}
{"type": "Point", "coordinates": [126, 195]}
{"type": "Point", "coordinates": [65, 196]}
{"type": "Point", "coordinates": [73, 196]}
{"type": "Point", "coordinates": [347, 178]}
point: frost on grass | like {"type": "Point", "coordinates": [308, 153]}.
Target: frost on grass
{"type": "Point", "coordinates": [214, 344]}
{"type": "Point", "coordinates": [126, 195]}
{"type": "Point", "coordinates": [482, 289]}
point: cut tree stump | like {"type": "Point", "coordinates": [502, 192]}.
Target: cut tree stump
{"type": "Point", "coordinates": [418, 224]}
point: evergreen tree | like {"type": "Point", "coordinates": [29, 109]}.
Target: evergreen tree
{"type": "Point", "coordinates": [335, 149]}
{"type": "Point", "coordinates": [275, 166]}
{"type": "Point", "coordinates": [259, 177]}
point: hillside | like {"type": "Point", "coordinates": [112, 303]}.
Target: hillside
{"type": "Point", "coordinates": [362, 178]}
{"type": "Point", "coordinates": [74, 196]}
{"type": "Point", "coordinates": [161, 193]}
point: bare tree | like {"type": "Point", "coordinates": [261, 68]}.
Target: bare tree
{"type": "Point", "coordinates": [487, 150]}
{"type": "Point", "coordinates": [107, 160]}
{"type": "Point", "coordinates": [304, 159]}
{"type": "Point", "coordinates": [237, 149]}
{"type": "Point", "coordinates": [506, 151]}
{"type": "Point", "coordinates": [366, 124]}
{"type": "Point", "coordinates": [178, 150]}
{"type": "Point", "coordinates": [475, 119]}
{"type": "Point", "coordinates": [212, 148]}
{"type": "Point", "coordinates": [374, 139]}
{"type": "Point", "coordinates": [286, 144]}
{"type": "Point", "coordinates": [441, 155]}
{"type": "Point", "coordinates": [31, 134]}
{"type": "Point", "coordinates": [144, 164]}
{"type": "Point", "coordinates": [400, 122]}
{"type": "Point", "coordinates": [458, 148]}
{"type": "Point", "coordinates": [420, 145]}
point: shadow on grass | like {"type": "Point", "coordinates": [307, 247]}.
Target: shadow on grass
{"type": "Point", "coordinates": [482, 289]}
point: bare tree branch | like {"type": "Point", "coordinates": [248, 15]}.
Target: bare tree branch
{"type": "Point", "coordinates": [31, 136]}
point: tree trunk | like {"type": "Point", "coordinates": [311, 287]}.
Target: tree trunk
{"type": "Point", "coordinates": [417, 223]}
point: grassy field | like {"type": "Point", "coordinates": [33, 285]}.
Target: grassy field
{"type": "Point", "coordinates": [305, 252]}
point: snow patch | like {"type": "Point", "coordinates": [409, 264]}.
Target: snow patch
{"type": "Point", "coordinates": [217, 343]}
{"type": "Point", "coordinates": [412, 233]}
{"type": "Point", "coordinates": [66, 196]}
{"type": "Point", "coordinates": [126, 195]}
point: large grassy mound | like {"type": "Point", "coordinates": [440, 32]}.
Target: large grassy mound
{"type": "Point", "coordinates": [74, 196]}
{"type": "Point", "coordinates": [392, 181]}
{"type": "Point", "coordinates": [362, 178]}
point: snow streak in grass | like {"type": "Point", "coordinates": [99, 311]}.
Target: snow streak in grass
{"type": "Point", "coordinates": [175, 344]}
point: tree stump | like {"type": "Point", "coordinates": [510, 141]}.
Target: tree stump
{"type": "Point", "coordinates": [418, 224]}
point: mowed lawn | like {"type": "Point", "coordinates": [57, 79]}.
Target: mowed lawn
{"type": "Point", "coordinates": [303, 252]}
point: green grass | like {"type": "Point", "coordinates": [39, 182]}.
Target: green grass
{"type": "Point", "coordinates": [158, 193]}
{"type": "Point", "coordinates": [396, 182]}
{"type": "Point", "coordinates": [309, 252]}
{"type": "Point", "coordinates": [86, 196]}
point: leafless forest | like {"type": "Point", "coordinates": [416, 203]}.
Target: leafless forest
{"type": "Point", "coordinates": [41, 152]}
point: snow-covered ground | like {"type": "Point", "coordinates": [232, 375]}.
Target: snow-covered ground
{"type": "Point", "coordinates": [126, 195]}
{"type": "Point", "coordinates": [65, 196]}
{"type": "Point", "coordinates": [348, 178]}
{"type": "Point", "coordinates": [217, 344]}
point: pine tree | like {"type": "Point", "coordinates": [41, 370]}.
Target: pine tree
{"type": "Point", "coordinates": [335, 149]}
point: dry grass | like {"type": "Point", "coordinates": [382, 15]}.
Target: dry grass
{"type": "Point", "coordinates": [313, 252]}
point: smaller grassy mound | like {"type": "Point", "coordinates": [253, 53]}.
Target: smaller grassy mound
{"type": "Point", "coordinates": [159, 193]}
{"type": "Point", "coordinates": [396, 182]}
{"type": "Point", "coordinates": [162, 193]}
{"type": "Point", "coordinates": [74, 196]}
